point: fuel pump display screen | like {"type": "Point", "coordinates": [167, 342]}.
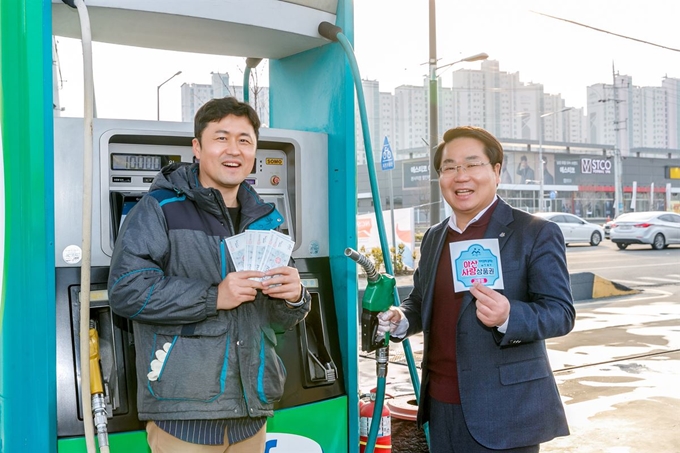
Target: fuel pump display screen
{"type": "Point", "coordinates": [141, 162]}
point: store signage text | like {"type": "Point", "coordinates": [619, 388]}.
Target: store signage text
{"type": "Point", "coordinates": [416, 174]}
{"type": "Point", "coordinates": [596, 166]}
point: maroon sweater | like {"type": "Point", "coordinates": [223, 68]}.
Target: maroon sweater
{"type": "Point", "coordinates": [441, 362]}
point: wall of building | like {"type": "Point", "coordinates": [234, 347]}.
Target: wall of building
{"type": "Point", "coordinates": [582, 183]}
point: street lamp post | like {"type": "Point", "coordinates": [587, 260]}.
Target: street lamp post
{"type": "Point", "coordinates": [434, 123]}
{"type": "Point", "coordinates": [541, 176]}
{"type": "Point", "coordinates": [158, 92]}
{"type": "Point", "coordinates": [618, 163]}
{"type": "Point", "coordinates": [434, 126]}
{"type": "Point", "coordinates": [618, 160]}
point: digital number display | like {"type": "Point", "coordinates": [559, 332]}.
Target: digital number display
{"type": "Point", "coordinates": [141, 162]}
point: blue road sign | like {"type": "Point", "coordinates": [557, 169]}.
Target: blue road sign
{"type": "Point", "coordinates": [386, 157]}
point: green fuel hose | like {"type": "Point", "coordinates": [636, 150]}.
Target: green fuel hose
{"type": "Point", "coordinates": [334, 33]}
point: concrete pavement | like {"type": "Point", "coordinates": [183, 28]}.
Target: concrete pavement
{"type": "Point", "coordinates": [618, 373]}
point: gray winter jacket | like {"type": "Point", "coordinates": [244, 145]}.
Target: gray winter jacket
{"type": "Point", "coordinates": [168, 260]}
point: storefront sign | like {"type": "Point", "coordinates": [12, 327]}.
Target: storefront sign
{"type": "Point", "coordinates": [596, 166]}
{"type": "Point", "coordinates": [574, 170]}
{"type": "Point", "coordinates": [416, 174]}
{"type": "Point", "coordinates": [566, 169]}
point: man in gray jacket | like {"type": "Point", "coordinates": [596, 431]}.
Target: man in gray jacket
{"type": "Point", "coordinates": [207, 371]}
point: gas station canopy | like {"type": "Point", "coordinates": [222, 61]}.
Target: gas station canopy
{"type": "Point", "coordinates": [247, 28]}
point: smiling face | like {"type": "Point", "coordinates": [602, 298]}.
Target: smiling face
{"type": "Point", "coordinates": [468, 192]}
{"type": "Point", "coordinates": [227, 153]}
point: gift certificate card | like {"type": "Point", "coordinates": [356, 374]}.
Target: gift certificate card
{"type": "Point", "coordinates": [476, 260]}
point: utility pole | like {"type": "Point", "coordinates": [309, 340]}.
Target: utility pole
{"type": "Point", "coordinates": [435, 196]}
{"type": "Point", "coordinates": [541, 176]}
{"type": "Point", "coordinates": [618, 163]}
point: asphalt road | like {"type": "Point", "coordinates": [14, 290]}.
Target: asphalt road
{"type": "Point", "coordinates": [637, 267]}
{"type": "Point", "coordinates": [618, 370]}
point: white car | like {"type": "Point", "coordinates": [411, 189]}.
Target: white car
{"type": "Point", "coordinates": [656, 228]}
{"type": "Point", "coordinates": [574, 228]}
{"type": "Point", "coordinates": [607, 226]}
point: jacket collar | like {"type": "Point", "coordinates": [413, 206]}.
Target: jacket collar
{"type": "Point", "coordinates": [182, 178]}
{"type": "Point", "coordinates": [498, 224]}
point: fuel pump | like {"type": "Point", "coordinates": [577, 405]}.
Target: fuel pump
{"type": "Point", "coordinates": [127, 154]}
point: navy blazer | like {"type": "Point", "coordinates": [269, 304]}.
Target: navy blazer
{"type": "Point", "coordinates": [508, 393]}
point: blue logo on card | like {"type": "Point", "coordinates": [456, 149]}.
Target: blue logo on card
{"type": "Point", "coordinates": [477, 264]}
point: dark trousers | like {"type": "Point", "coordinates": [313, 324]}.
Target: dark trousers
{"type": "Point", "coordinates": [449, 433]}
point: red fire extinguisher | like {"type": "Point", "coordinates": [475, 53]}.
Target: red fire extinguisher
{"type": "Point", "coordinates": [383, 443]}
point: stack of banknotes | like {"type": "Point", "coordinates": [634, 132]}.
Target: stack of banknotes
{"type": "Point", "coordinates": [260, 250]}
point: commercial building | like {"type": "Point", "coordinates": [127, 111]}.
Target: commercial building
{"type": "Point", "coordinates": [576, 180]}
{"type": "Point", "coordinates": [578, 147]}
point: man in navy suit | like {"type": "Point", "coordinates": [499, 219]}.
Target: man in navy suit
{"type": "Point", "coordinates": [487, 384]}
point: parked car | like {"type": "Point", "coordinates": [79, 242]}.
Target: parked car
{"type": "Point", "coordinates": [607, 228]}
{"type": "Point", "coordinates": [657, 228]}
{"type": "Point", "coordinates": [574, 228]}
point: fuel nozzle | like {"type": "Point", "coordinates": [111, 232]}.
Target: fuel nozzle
{"type": "Point", "coordinates": [97, 389]}
{"type": "Point", "coordinates": [377, 298]}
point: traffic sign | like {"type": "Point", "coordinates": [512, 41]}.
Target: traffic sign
{"type": "Point", "coordinates": [386, 156]}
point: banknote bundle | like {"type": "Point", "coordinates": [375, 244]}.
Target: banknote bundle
{"type": "Point", "coordinates": [260, 250]}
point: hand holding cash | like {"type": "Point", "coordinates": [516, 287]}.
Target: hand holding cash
{"type": "Point", "coordinates": [237, 288]}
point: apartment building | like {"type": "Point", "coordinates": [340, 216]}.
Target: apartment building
{"type": "Point", "coordinates": [577, 145]}
{"type": "Point", "coordinates": [194, 95]}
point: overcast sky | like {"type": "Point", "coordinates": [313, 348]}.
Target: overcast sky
{"type": "Point", "coordinates": [392, 46]}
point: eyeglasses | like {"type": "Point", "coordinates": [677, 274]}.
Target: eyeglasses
{"type": "Point", "coordinates": [473, 168]}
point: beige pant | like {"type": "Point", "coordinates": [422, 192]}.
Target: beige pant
{"type": "Point", "coordinates": [162, 442]}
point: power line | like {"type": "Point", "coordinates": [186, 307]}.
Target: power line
{"type": "Point", "coordinates": [608, 32]}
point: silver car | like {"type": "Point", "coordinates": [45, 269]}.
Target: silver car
{"type": "Point", "coordinates": [657, 228]}
{"type": "Point", "coordinates": [574, 228]}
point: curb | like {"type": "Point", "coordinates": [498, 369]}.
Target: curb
{"type": "Point", "coordinates": [584, 286]}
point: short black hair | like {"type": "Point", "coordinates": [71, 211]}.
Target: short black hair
{"type": "Point", "coordinates": [492, 147]}
{"type": "Point", "coordinates": [218, 108]}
